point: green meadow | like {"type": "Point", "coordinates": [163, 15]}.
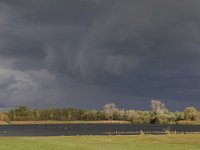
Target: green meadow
{"type": "Point", "coordinates": [140, 142]}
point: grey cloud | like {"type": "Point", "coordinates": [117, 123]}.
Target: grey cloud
{"type": "Point", "coordinates": [78, 12]}
{"type": "Point", "coordinates": [11, 84]}
{"type": "Point", "coordinates": [164, 41]}
{"type": "Point", "coordinates": [135, 49]}
{"type": "Point", "coordinates": [5, 81]}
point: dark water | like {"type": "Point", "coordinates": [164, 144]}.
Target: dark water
{"type": "Point", "coordinates": [91, 129]}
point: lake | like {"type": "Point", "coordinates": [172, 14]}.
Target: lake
{"type": "Point", "coordinates": [92, 129]}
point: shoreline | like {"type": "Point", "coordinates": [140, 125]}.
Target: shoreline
{"type": "Point", "coordinates": [64, 122]}
{"type": "Point", "coordinates": [87, 122]}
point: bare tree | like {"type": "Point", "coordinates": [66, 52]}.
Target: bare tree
{"type": "Point", "coordinates": [110, 111]}
{"type": "Point", "coordinates": [158, 107]}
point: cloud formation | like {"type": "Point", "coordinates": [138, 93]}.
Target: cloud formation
{"type": "Point", "coordinates": [85, 53]}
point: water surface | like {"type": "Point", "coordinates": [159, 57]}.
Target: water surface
{"type": "Point", "coordinates": [91, 129]}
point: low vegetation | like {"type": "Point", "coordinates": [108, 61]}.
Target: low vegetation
{"type": "Point", "coordinates": [109, 114]}
{"type": "Point", "coordinates": [143, 142]}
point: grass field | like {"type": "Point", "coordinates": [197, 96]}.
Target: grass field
{"type": "Point", "coordinates": [146, 142]}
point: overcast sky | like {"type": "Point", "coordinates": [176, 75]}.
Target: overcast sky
{"type": "Point", "coordinates": [86, 53]}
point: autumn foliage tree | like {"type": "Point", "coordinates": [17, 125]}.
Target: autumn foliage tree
{"type": "Point", "coordinates": [192, 114]}
{"type": "Point", "coordinates": [159, 114]}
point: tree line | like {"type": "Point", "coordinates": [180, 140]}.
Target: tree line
{"type": "Point", "coordinates": [158, 115]}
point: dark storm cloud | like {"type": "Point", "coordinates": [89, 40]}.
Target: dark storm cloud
{"type": "Point", "coordinates": [159, 40]}
{"type": "Point", "coordinates": [126, 51]}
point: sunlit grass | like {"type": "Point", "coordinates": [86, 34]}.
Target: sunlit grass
{"type": "Point", "coordinates": [146, 142]}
